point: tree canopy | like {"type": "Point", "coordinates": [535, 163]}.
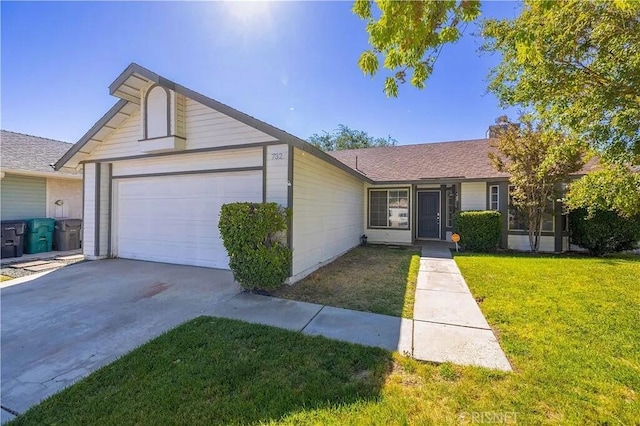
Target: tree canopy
{"type": "Point", "coordinates": [345, 137]}
{"type": "Point", "coordinates": [612, 188]}
{"type": "Point", "coordinates": [409, 36]}
{"type": "Point", "coordinates": [576, 63]}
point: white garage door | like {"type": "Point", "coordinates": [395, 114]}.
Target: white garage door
{"type": "Point", "coordinates": [174, 219]}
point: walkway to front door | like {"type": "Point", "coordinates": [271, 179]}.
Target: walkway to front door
{"type": "Point", "coordinates": [448, 325]}
{"type": "Point", "coordinates": [429, 214]}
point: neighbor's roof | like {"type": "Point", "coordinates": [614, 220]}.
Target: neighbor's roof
{"type": "Point", "coordinates": [30, 153]}
{"type": "Point", "coordinates": [458, 160]}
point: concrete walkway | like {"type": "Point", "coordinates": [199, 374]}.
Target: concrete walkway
{"type": "Point", "coordinates": [448, 324]}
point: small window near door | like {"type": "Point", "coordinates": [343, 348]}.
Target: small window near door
{"type": "Point", "coordinates": [451, 207]}
{"type": "Point", "coordinates": [389, 208]}
{"type": "Point", "coordinates": [494, 197]}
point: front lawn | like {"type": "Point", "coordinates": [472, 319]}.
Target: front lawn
{"type": "Point", "coordinates": [373, 279]}
{"type": "Point", "coordinates": [569, 326]}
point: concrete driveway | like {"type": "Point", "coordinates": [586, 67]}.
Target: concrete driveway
{"type": "Point", "coordinates": [66, 324]}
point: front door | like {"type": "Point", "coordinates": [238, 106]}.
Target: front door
{"type": "Point", "coordinates": [429, 214]}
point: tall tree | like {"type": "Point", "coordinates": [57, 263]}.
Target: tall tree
{"type": "Point", "coordinates": [537, 159]}
{"type": "Point", "coordinates": [346, 138]}
{"type": "Point", "coordinates": [576, 63]}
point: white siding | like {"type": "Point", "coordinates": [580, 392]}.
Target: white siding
{"type": "Point", "coordinates": [209, 128]}
{"type": "Point", "coordinates": [521, 242]}
{"type": "Point", "coordinates": [88, 225]}
{"type": "Point", "coordinates": [70, 192]}
{"type": "Point", "coordinates": [277, 163]}
{"type": "Point", "coordinates": [226, 159]}
{"type": "Point", "coordinates": [473, 196]}
{"type": "Point", "coordinates": [105, 215]}
{"type": "Point", "coordinates": [181, 112]}
{"type": "Point", "coordinates": [121, 142]}
{"type": "Point", "coordinates": [388, 236]}
{"type": "Point", "coordinates": [205, 128]}
{"type": "Point", "coordinates": [327, 213]}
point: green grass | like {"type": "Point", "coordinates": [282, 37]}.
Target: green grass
{"type": "Point", "coordinates": [213, 370]}
{"type": "Point", "coordinates": [5, 278]}
{"type": "Point", "coordinates": [569, 326]}
{"type": "Point", "coordinates": [372, 279]}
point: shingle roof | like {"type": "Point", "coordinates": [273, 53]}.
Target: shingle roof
{"type": "Point", "coordinates": [462, 160]}
{"type": "Point", "coordinates": [30, 153]}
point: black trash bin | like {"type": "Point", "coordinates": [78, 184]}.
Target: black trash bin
{"type": "Point", "coordinates": [13, 238]}
{"type": "Point", "coordinates": [67, 234]}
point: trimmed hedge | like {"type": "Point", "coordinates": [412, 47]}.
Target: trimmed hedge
{"type": "Point", "coordinates": [479, 230]}
{"type": "Point", "coordinates": [604, 231]}
{"type": "Point", "coordinates": [252, 233]}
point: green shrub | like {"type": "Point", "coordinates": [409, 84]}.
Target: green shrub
{"type": "Point", "coordinates": [604, 231]}
{"type": "Point", "coordinates": [479, 230]}
{"type": "Point", "coordinates": [252, 233]}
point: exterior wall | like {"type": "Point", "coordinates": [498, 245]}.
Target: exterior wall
{"type": "Point", "coordinates": [521, 242]}
{"type": "Point", "coordinates": [70, 192]}
{"type": "Point", "coordinates": [276, 174]}
{"type": "Point", "coordinates": [205, 128]}
{"type": "Point", "coordinates": [473, 196]}
{"type": "Point", "coordinates": [388, 236]}
{"type": "Point", "coordinates": [190, 162]}
{"type": "Point", "coordinates": [89, 219]}
{"type": "Point", "coordinates": [22, 197]}
{"type": "Point", "coordinates": [327, 213]}
{"type": "Point", "coordinates": [209, 128]}
{"type": "Point", "coordinates": [104, 218]}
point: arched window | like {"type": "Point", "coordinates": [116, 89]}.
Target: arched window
{"type": "Point", "coordinates": [157, 113]}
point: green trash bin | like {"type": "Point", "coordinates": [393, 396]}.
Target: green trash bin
{"type": "Point", "coordinates": [39, 235]}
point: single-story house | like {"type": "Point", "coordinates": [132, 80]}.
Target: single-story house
{"type": "Point", "coordinates": [160, 163]}
{"type": "Point", "coordinates": [30, 187]}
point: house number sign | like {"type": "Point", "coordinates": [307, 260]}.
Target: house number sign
{"type": "Point", "coordinates": [277, 156]}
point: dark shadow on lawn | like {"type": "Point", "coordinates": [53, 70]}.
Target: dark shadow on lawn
{"type": "Point", "coordinates": [219, 371]}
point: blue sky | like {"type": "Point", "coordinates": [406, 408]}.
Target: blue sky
{"type": "Point", "coordinates": [291, 64]}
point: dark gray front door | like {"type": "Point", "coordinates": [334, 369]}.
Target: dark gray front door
{"type": "Point", "coordinates": [428, 215]}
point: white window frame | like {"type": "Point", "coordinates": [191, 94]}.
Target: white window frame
{"type": "Point", "coordinates": [497, 194]}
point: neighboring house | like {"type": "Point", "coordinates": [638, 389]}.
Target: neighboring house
{"type": "Point", "coordinates": [30, 187]}
{"type": "Point", "coordinates": [161, 162]}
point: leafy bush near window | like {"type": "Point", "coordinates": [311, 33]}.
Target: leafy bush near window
{"type": "Point", "coordinates": [252, 233]}
{"type": "Point", "coordinates": [479, 231]}
{"type": "Point", "coordinates": [604, 231]}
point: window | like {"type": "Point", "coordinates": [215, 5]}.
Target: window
{"type": "Point", "coordinates": [451, 207]}
{"type": "Point", "coordinates": [518, 220]}
{"type": "Point", "coordinates": [494, 197]}
{"type": "Point", "coordinates": [389, 208]}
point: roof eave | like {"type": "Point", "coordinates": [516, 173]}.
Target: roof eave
{"type": "Point", "coordinates": [87, 136]}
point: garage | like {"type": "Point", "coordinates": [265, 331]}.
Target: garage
{"type": "Point", "coordinates": [174, 218]}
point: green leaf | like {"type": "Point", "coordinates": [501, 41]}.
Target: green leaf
{"type": "Point", "coordinates": [368, 62]}
{"type": "Point", "coordinates": [390, 87]}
